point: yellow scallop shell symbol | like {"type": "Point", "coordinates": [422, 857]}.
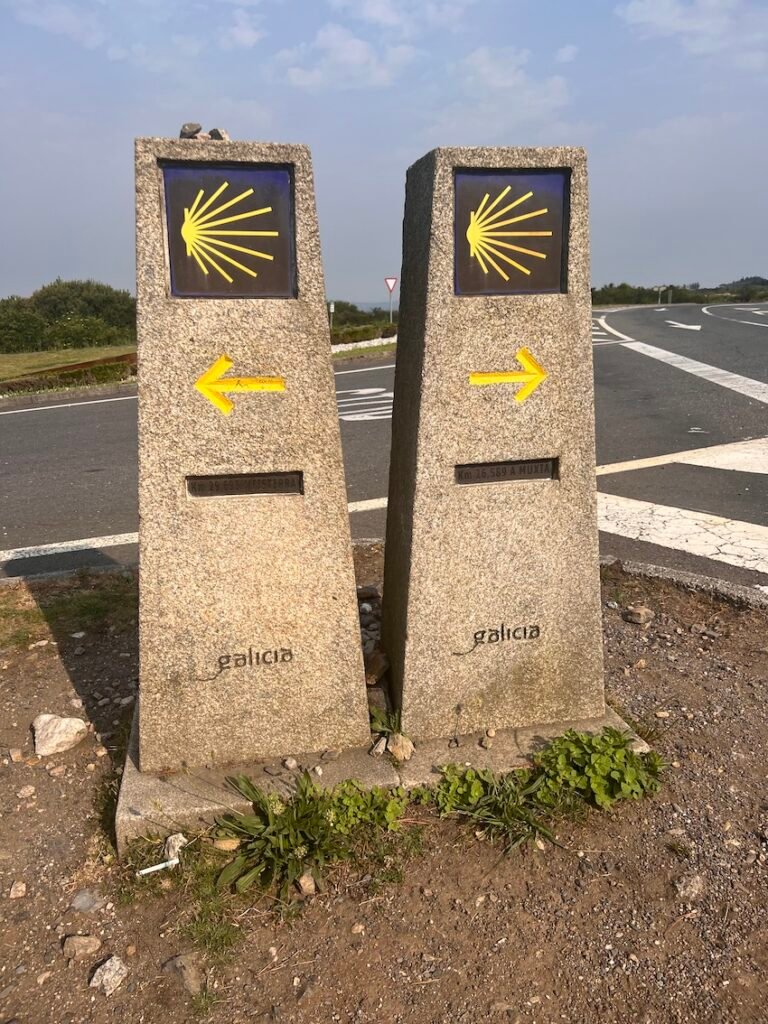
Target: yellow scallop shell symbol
{"type": "Point", "coordinates": [486, 232]}
{"type": "Point", "coordinates": [205, 234]}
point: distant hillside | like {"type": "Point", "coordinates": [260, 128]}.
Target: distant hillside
{"type": "Point", "coordinates": [744, 282]}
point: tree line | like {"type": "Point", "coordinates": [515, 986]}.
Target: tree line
{"type": "Point", "coordinates": [67, 314]}
{"type": "Point", "coordinates": [85, 314]}
{"type": "Point", "coordinates": [747, 289]}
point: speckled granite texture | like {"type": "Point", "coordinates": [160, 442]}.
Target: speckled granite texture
{"type": "Point", "coordinates": [463, 559]}
{"type": "Point", "coordinates": [238, 576]}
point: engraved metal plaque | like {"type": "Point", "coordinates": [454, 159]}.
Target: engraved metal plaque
{"type": "Point", "coordinates": [502, 472]}
{"type": "Point", "coordinates": [227, 485]}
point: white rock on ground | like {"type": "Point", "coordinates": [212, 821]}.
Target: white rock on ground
{"type": "Point", "coordinates": [109, 976]}
{"type": "Point", "coordinates": [400, 747]}
{"type": "Point", "coordinates": [173, 845]}
{"type": "Point", "coordinates": [307, 885]}
{"type": "Point", "coordinates": [186, 967]}
{"type": "Point", "coordinates": [54, 735]}
{"type": "Point", "coordinates": [80, 947]}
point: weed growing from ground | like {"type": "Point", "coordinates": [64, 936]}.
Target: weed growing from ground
{"type": "Point", "coordinates": [596, 769]}
{"type": "Point", "coordinates": [575, 772]}
{"type": "Point", "coordinates": [313, 830]}
{"type": "Point", "coordinates": [384, 722]}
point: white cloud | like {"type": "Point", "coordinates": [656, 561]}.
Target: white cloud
{"type": "Point", "coordinates": [498, 99]}
{"type": "Point", "coordinates": [188, 46]}
{"type": "Point", "coordinates": [409, 17]}
{"type": "Point", "coordinates": [62, 19]}
{"type": "Point", "coordinates": [242, 33]}
{"type": "Point", "coordinates": [337, 57]}
{"type": "Point", "coordinates": [734, 29]}
{"type": "Point", "coordinates": [566, 54]}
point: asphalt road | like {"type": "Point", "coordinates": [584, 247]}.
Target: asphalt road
{"type": "Point", "coordinates": [662, 386]}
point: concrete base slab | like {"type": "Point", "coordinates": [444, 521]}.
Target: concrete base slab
{"type": "Point", "coordinates": [510, 748]}
{"type": "Point", "coordinates": [156, 805]}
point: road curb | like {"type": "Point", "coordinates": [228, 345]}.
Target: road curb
{"type": "Point", "coordinates": [31, 401]}
{"type": "Point", "coordinates": [734, 593]}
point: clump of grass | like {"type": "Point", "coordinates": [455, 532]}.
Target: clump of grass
{"type": "Point", "coordinates": [87, 602]}
{"type": "Point", "coordinates": [577, 771]}
{"type": "Point", "coordinates": [316, 828]}
{"type": "Point", "coordinates": [683, 851]}
{"type": "Point", "coordinates": [384, 722]}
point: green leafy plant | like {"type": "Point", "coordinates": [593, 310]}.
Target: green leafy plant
{"type": "Point", "coordinates": [503, 806]}
{"type": "Point", "coordinates": [384, 722]}
{"type": "Point", "coordinates": [460, 788]}
{"type": "Point", "coordinates": [596, 769]}
{"type": "Point", "coordinates": [313, 830]}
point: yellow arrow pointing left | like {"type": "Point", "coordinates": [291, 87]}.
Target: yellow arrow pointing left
{"type": "Point", "coordinates": [215, 387]}
{"type": "Point", "coordinates": [531, 375]}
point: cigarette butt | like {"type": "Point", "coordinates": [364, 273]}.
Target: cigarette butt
{"type": "Point", "coordinates": [158, 867]}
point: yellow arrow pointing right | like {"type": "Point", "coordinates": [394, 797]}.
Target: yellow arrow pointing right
{"type": "Point", "coordinates": [531, 375]}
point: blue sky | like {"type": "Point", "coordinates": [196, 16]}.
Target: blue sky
{"type": "Point", "coordinates": [668, 96]}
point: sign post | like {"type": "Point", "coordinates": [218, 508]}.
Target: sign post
{"type": "Point", "coordinates": [250, 643]}
{"type": "Point", "coordinates": [492, 614]}
{"type": "Point", "coordinates": [390, 282]}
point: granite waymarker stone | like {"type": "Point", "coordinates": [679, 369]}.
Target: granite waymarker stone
{"type": "Point", "coordinates": [250, 644]}
{"type": "Point", "coordinates": [491, 611]}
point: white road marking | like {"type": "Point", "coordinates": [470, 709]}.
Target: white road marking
{"type": "Point", "coordinates": [612, 330]}
{"type": "Point", "coordinates": [67, 546]}
{"type": "Point", "coordinates": [365, 404]}
{"type": "Point", "coordinates": [684, 327]}
{"type": "Point", "coordinates": [120, 539]}
{"type": "Point", "coordinates": [697, 533]}
{"type": "Point", "coordinates": [368, 505]}
{"type": "Point", "coordinates": [132, 398]}
{"type": "Point", "coordinates": [730, 319]}
{"type": "Point", "coordinates": [734, 381]}
{"type": "Point", "coordinates": [661, 309]}
{"type": "Point", "coordinates": [743, 456]}
{"type": "Point", "coordinates": [68, 405]}
{"type": "Point", "coordinates": [364, 369]}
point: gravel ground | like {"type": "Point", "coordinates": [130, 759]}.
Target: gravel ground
{"type": "Point", "coordinates": [653, 913]}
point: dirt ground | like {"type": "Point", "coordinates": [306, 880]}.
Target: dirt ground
{"type": "Point", "coordinates": [654, 913]}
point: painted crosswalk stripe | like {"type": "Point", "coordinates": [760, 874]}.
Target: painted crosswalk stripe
{"type": "Point", "coordinates": [744, 456]}
{"type": "Point", "coordinates": [697, 533]}
{"type": "Point", "coordinates": [734, 381]}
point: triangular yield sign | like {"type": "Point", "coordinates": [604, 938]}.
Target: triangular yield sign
{"type": "Point", "coordinates": [390, 282]}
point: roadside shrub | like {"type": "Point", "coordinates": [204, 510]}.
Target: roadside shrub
{"type": "Point", "coordinates": [350, 335]}
{"type": "Point", "coordinates": [64, 299]}
{"type": "Point", "coordinates": [389, 331]}
{"type": "Point", "coordinates": [21, 328]}
{"type": "Point", "coordinates": [81, 332]}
